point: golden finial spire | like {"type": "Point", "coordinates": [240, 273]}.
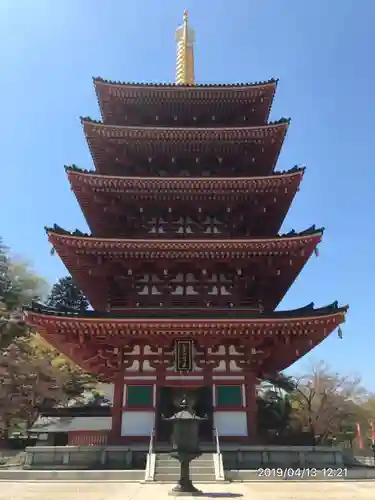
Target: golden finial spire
{"type": "Point", "coordinates": [185, 38]}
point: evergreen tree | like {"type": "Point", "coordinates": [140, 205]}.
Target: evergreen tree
{"type": "Point", "coordinates": [66, 295]}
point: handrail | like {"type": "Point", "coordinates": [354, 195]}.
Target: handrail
{"type": "Point", "coordinates": [151, 444]}
{"type": "Point", "coordinates": [217, 442]}
{"type": "Point", "coordinates": [150, 463]}
{"type": "Point", "coordinates": [220, 466]}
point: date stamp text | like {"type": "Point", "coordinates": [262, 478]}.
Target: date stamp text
{"type": "Point", "coordinates": [301, 473]}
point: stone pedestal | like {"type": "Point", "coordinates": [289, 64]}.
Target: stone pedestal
{"type": "Point", "coordinates": [184, 486]}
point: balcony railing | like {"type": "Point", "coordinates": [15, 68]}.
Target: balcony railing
{"type": "Point", "coordinates": [186, 310]}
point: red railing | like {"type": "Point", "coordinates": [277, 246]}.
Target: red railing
{"type": "Point", "coordinates": [87, 438]}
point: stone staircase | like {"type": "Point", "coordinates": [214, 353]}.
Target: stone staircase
{"type": "Point", "coordinates": [167, 469]}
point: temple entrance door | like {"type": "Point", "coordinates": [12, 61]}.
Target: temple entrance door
{"type": "Point", "coordinates": [60, 439]}
{"type": "Point", "coordinates": [165, 408]}
{"type": "Point", "coordinates": [168, 400]}
{"type": "Point", "coordinates": [204, 408]}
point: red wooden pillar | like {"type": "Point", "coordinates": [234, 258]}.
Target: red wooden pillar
{"type": "Point", "coordinates": [118, 395]}
{"type": "Point", "coordinates": [251, 406]}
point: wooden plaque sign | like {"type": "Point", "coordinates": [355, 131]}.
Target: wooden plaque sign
{"type": "Point", "coordinates": [184, 355]}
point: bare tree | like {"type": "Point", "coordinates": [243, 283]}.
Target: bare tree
{"type": "Point", "coordinates": [32, 374]}
{"type": "Point", "coordinates": [35, 376]}
{"type": "Point", "coordinates": [19, 286]}
{"type": "Point", "coordinates": [324, 402]}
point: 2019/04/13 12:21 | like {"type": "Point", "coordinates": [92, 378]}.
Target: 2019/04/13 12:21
{"type": "Point", "coordinates": [302, 472]}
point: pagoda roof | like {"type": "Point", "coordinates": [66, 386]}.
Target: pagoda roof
{"type": "Point", "coordinates": [183, 133]}
{"type": "Point", "coordinates": [209, 185]}
{"type": "Point", "coordinates": [94, 340]}
{"type": "Point", "coordinates": [106, 142]}
{"type": "Point", "coordinates": [88, 257]}
{"type": "Point", "coordinates": [306, 313]}
{"type": "Point", "coordinates": [94, 192]}
{"type": "Point", "coordinates": [139, 101]}
{"type": "Point", "coordinates": [177, 248]}
{"type": "Point", "coordinates": [191, 88]}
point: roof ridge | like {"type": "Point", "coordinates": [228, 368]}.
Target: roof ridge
{"type": "Point", "coordinates": [185, 86]}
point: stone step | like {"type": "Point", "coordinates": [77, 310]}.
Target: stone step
{"type": "Point", "coordinates": [198, 459]}
{"type": "Point", "coordinates": [192, 464]}
{"type": "Point", "coordinates": [176, 463]}
{"type": "Point", "coordinates": [177, 472]}
{"type": "Point", "coordinates": [173, 464]}
{"type": "Point", "coordinates": [205, 456]}
{"type": "Point", "coordinates": [177, 466]}
{"type": "Point", "coordinates": [205, 463]}
{"type": "Point", "coordinates": [196, 478]}
{"type": "Point", "coordinates": [166, 470]}
{"type": "Point", "coordinates": [166, 467]}
{"type": "Point", "coordinates": [195, 460]}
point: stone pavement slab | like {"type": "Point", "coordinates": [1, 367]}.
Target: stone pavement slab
{"type": "Point", "coordinates": [346, 490]}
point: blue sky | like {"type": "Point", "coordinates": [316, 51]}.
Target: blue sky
{"type": "Point", "coordinates": [321, 50]}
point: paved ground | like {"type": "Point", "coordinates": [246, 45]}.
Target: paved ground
{"type": "Point", "coordinates": [134, 491]}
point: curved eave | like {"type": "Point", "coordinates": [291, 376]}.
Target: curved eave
{"type": "Point", "coordinates": [94, 128]}
{"type": "Point", "coordinates": [128, 142]}
{"type": "Point", "coordinates": [160, 87]}
{"type": "Point", "coordinates": [112, 245]}
{"type": "Point", "coordinates": [200, 185]}
{"type": "Point", "coordinates": [294, 320]}
{"type": "Point", "coordinates": [112, 94]}
{"type": "Point", "coordinates": [283, 356]}
{"type": "Point", "coordinates": [95, 342]}
{"type": "Point", "coordinates": [84, 256]}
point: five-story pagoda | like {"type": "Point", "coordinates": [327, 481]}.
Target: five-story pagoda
{"type": "Point", "coordinates": [184, 267]}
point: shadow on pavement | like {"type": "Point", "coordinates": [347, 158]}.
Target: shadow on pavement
{"type": "Point", "coordinates": [221, 495]}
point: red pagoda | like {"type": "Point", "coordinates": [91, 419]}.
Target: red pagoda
{"type": "Point", "coordinates": [184, 266]}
